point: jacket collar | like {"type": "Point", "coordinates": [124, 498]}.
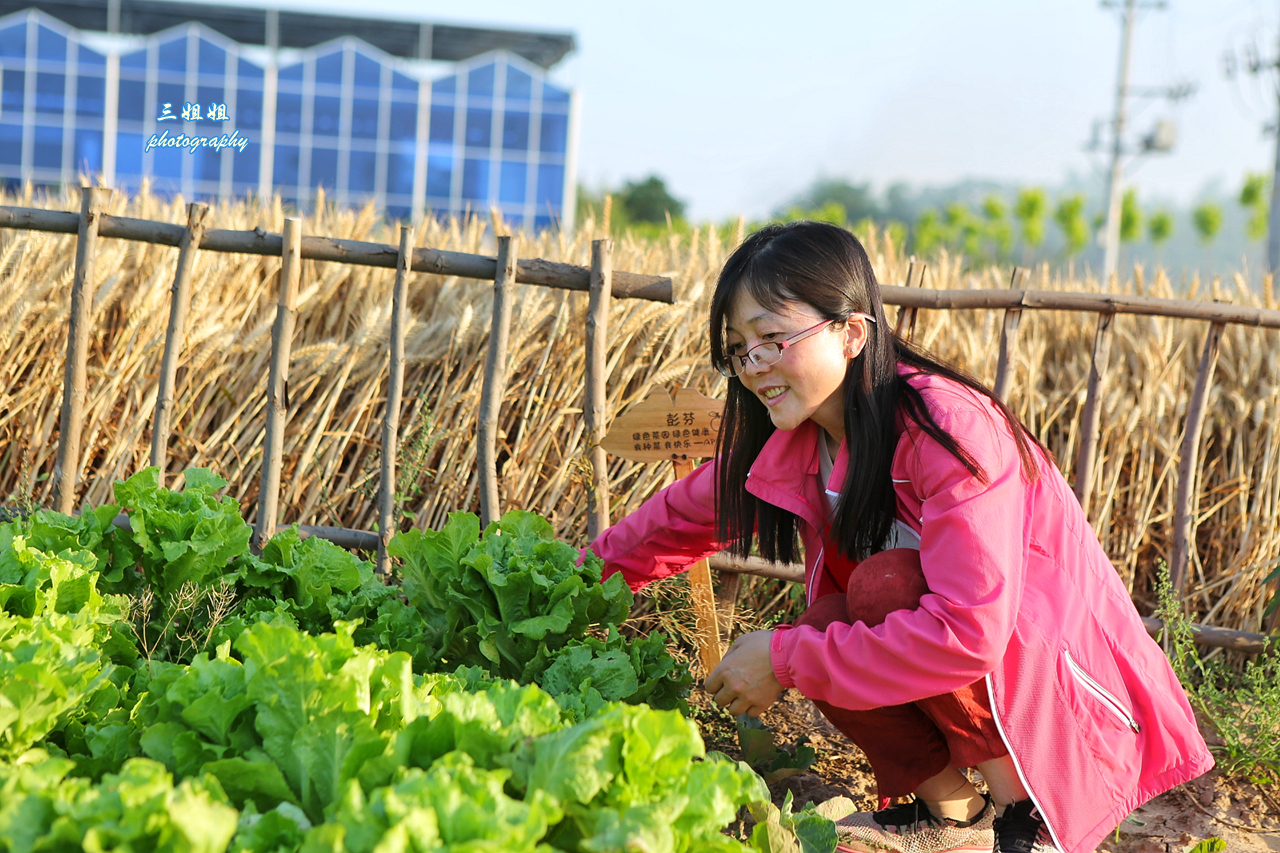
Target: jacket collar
{"type": "Point", "coordinates": [785, 473]}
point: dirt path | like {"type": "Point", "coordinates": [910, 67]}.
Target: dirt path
{"type": "Point", "coordinates": [1243, 813]}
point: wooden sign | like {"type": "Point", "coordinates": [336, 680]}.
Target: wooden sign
{"type": "Point", "coordinates": [667, 426]}
{"type": "Point", "coordinates": [680, 426]}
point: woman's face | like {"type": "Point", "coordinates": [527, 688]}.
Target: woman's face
{"type": "Point", "coordinates": [805, 383]}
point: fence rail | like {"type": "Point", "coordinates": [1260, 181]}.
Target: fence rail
{"type": "Point", "coordinates": [602, 283]}
{"type": "Point", "coordinates": [626, 285]}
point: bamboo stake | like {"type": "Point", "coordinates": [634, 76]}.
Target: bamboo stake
{"type": "Point", "coordinates": [491, 393]}
{"type": "Point", "coordinates": [1092, 411]}
{"type": "Point", "coordinates": [1188, 466]}
{"type": "Point", "coordinates": [704, 600]}
{"type": "Point", "coordinates": [395, 389]}
{"type": "Point", "coordinates": [66, 469]}
{"type": "Point", "coordinates": [1008, 341]}
{"type": "Point", "coordinates": [907, 316]}
{"type": "Point", "coordinates": [727, 600]}
{"type": "Point", "coordinates": [593, 406]}
{"type": "Point", "coordinates": [179, 303]}
{"type": "Point", "coordinates": [278, 381]}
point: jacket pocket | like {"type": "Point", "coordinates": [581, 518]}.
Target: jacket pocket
{"type": "Point", "coordinates": [1113, 705]}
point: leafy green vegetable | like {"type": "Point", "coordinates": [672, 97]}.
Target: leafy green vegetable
{"type": "Point", "coordinates": [324, 707]}
{"type": "Point", "coordinates": [178, 537]}
{"type": "Point", "coordinates": [290, 702]}
{"type": "Point", "coordinates": [452, 806]}
{"type": "Point", "coordinates": [55, 533]}
{"type": "Point", "coordinates": [515, 602]}
{"type": "Point", "coordinates": [781, 831]}
{"type": "Point", "coordinates": [633, 778]}
{"type": "Point", "coordinates": [760, 750]}
{"type": "Point", "coordinates": [138, 809]}
{"type": "Point", "coordinates": [50, 661]}
{"type": "Point", "coordinates": [309, 573]}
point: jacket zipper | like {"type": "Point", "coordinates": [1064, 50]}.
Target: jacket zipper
{"type": "Point", "coordinates": [811, 580]}
{"type": "Point", "coordinates": [1111, 703]}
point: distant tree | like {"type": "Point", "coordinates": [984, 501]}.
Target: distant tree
{"type": "Point", "coordinates": [964, 228]}
{"type": "Point", "coordinates": [857, 200]}
{"type": "Point", "coordinates": [1030, 210]}
{"type": "Point", "coordinates": [1253, 198]}
{"type": "Point", "coordinates": [1159, 230]}
{"type": "Point", "coordinates": [1130, 217]}
{"type": "Point", "coordinates": [1207, 219]}
{"type": "Point", "coordinates": [649, 201]}
{"type": "Point", "coordinates": [997, 224]}
{"type": "Point", "coordinates": [1069, 214]}
{"type": "Point", "coordinates": [900, 202]}
{"type": "Point", "coordinates": [929, 232]}
{"type": "Point", "coordinates": [897, 233]}
{"type": "Point", "coordinates": [832, 212]}
{"type": "Point", "coordinates": [1160, 227]}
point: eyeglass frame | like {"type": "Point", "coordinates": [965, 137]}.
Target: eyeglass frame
{"type": "Point", "coordinates": [726, 368]}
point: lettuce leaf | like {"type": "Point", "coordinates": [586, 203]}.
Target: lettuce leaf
{"type": "Point", "coordinates": [178, 537]}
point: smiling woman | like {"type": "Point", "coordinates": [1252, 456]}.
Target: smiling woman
{"type": "Point", "coordinates": [959, 606]}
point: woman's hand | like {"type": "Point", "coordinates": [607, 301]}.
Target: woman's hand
{"type": "Point", "coordinates": [744, 682]}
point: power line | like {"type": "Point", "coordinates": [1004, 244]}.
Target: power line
{"type": "Point", "coordinates": [1255, 62]}
{"type": "Point", "coordinates": [1160, 139]}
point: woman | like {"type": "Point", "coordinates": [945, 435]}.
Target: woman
{"type": "Point", "coordinates": [961, 612]}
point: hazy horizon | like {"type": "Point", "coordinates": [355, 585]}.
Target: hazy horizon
{"type": "Point", "coordinates": [740, 108]}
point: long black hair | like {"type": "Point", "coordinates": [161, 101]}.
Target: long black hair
{"type": "Point", "coordinates": [825, 267]}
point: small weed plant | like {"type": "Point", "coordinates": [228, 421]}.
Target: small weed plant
{"type": "Point", "coordinates": [1242, 705]}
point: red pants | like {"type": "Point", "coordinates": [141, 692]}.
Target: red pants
{"type": "Point", "coordinates": [905, 744]}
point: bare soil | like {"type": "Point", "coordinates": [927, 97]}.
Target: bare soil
{"type": "Point", "coordinates": [1243, 812]}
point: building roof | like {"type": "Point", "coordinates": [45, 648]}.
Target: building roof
{"type": "Point", "coordinates": [248, 25]}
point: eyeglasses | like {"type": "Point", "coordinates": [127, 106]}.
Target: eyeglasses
{"type": "Point", "coordinates": [770, 351]}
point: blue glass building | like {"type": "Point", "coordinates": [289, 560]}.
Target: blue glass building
{"type": "Point", "coordinates": [218, 102]}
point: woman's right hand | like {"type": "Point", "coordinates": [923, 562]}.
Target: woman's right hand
{"type": "Point", "coordinates": [744, 682]}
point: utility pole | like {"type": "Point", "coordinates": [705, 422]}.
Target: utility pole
{"type": "Point", "coordinates": [1273, 220]}
{"type": "Point", "coordinates": [1253, 62]}
{"type": "Point", "coordinates": [1111, 237]}
{"type": "Point", "coordinates": [1159, 140]}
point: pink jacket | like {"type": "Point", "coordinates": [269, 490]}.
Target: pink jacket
{"type": "Point", "coordinates": [1021, 594]}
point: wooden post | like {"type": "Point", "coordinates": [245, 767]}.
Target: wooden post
{"type": "Point", "coordinates": [66, 470]}
{"type": "Point", "coordinates": [727, 600]}
{"type": "Point", "coordinates": [278, 381]}
{"type": "Point", "coordinates": [704, 600]}
{"type": "Point", "coordinates": [179, 303]}
{"type": "Point", "coordinates": [495, 380]}
{"type": "Point", "coordinates": [395, 389]}
{"type": "Point", "coordinates": [906, 321]}
{"type": "Point", "coordinates": [1188, 466]}
{"type": "Point", "coordinates": [593, 407]}
{"type": "Point", "coordinates": [1008, 341]}
{"type": "Point", "coordinates": [1092, 411]}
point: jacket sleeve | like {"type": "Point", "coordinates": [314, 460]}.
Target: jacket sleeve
{"type": "Point", "coordinates": [972, 551]}
{"type": "Point", "coordinates": [669, 532]}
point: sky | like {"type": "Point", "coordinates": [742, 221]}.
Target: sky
{"type": "Point", "coordinates": [740, 106]}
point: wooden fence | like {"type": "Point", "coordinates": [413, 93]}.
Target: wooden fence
{"type": "Point", "coordinates": [603, 284]}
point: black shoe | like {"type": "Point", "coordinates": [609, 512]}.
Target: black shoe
{"type": "Point", "coordinates": [1021, 829]}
